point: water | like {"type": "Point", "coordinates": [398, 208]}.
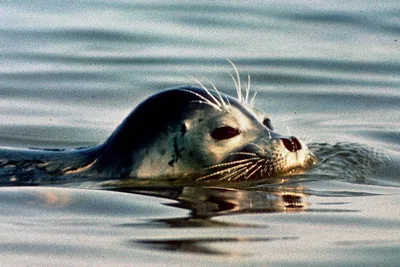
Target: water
{"type": "Point", "coordinates": [327, 71]}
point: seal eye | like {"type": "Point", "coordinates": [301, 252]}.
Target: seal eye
{"type": "Point", "coordinates": [224, 132]}
{"type": "Point", "coordinates": [267, 123]}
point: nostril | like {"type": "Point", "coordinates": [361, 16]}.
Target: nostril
{"type": "Point", "coordinates": [287, 143]}
{"type": "Point", "coordinates": [296, 143]}
{"type": "Point", "coordinates": [292, 144]}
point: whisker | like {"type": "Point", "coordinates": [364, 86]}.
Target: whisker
{"type": "Point", "coordinates": [247, 89]}
{"type": "Point", "coordinates": [238, 79]}
{"type": "Point", "coordinates": [230, 176]}
{"type": "Point", "coordinates": [227, 101]}
{"type": "Point", "coordinates": [243, 153]}
{"type": "Point", "coordinates": [244, 171]}
{"type": "Point", "coordinates": [229, 163]}
{"type": "Point", "coordinates": [217, 91]}
{"type": "Point", "coordinates": [208, 91]}
{"type": "Point", "coordinates": [250, 168]}
{"type": "Point", "coordinates": [253, 99]}
{"type": "Point", "coordinates": [259, 167]}
{"type": "Point", "coordinates": [238, 91]}
{"type": "Point", "coordinates": [208, 103]}
{"type": "Point", "coordinates": [223, 171]}
{"type": "Point", "coordinates": [202, 97]}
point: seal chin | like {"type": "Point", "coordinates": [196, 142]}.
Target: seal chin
{"type": "Point", "coordinates": [299, 162]}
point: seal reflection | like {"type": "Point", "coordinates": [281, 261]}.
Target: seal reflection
{"type": "Point", "coordinates": [205, 203]}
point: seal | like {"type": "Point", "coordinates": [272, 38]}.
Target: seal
{"type": "Point", "coordinates": [184, 132]}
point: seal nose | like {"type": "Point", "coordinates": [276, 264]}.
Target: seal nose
{"type": "Point", "coordinates": [292, 143]}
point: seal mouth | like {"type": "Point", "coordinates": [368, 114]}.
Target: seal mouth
{"type": "Point", "coordinates": [247, 165]}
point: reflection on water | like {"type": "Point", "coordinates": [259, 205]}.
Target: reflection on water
{"type": "Point", "coordinates": [202, 245]}
{"type": "Point", "coordinates": [207, 202]}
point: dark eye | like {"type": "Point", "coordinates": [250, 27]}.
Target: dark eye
{"type": "Point", "coordinates": [224, 132]}
{"type": "Point", "coordinates": [267, 123]}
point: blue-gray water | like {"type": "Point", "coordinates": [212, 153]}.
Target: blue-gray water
{"type": "Point", "coordinates": [327, 71]}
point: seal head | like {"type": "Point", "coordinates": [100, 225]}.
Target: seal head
{"type": "Point", "coordinates": [204, 134]}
